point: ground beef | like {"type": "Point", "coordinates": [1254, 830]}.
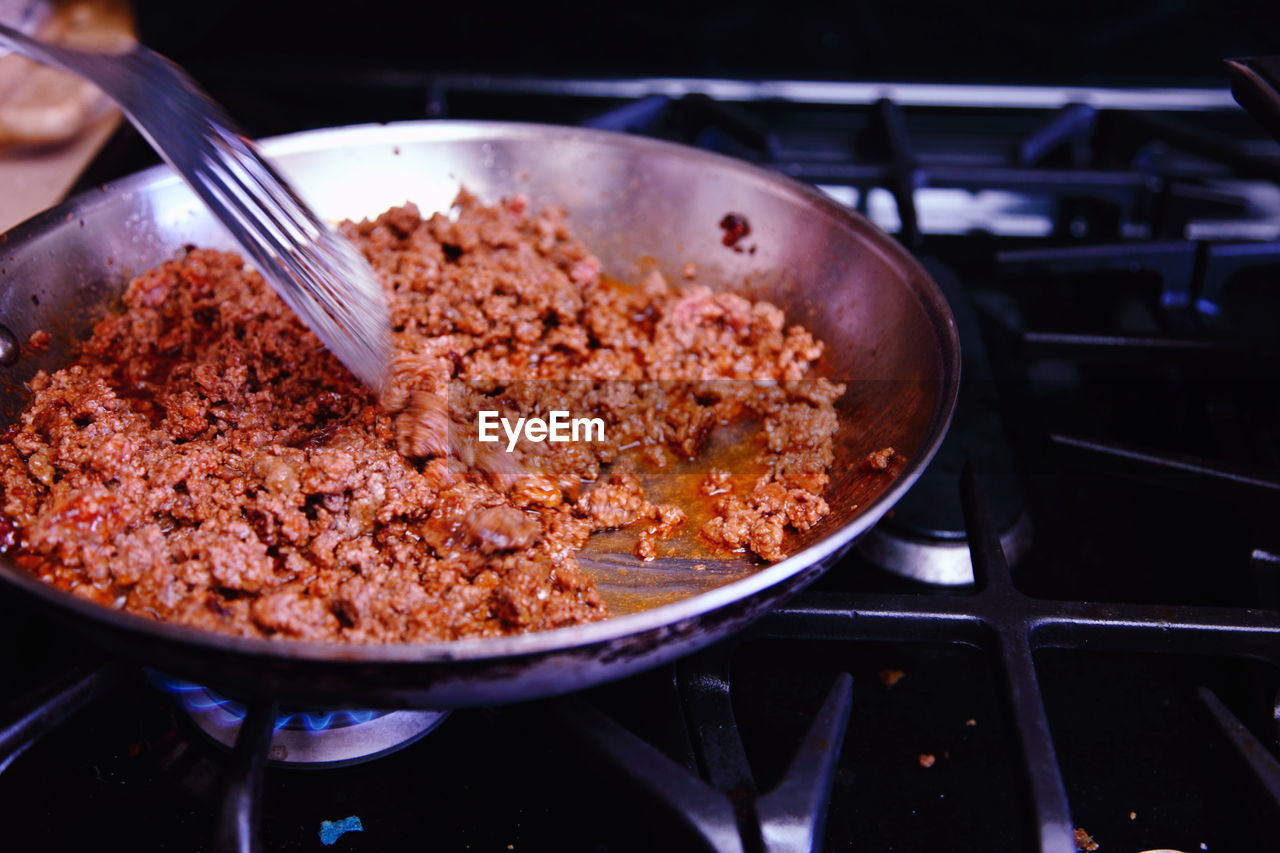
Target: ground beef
{"type": "Point", "coordinates": [879, 460]}
{"type": "Point", "coordinates": [204, 460]}
{"type": "Point", "coordinates": [39, 341]}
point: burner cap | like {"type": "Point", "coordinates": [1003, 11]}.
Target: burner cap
{"type": "Point", "coordinates": [935, 560]}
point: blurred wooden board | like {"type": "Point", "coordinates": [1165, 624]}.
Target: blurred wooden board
{"type": "Point", "coordinates": [33, 181]}
{"type": "Point", "coordinates": [53, 123]}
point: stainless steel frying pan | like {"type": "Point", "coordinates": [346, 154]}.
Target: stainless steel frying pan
{"type": "Point", "coordinates": [636, 202]}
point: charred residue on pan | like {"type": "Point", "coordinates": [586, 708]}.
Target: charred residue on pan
{"type": "Point", "coordinates": [736, 226]}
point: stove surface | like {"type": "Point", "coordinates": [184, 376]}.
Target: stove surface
{"type": "Point", "coordinates": [1109, 257]}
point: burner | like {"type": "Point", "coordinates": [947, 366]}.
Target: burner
{"type": "Point", "coordinates": [924, 537]}
{"type": "Point", "coordinates": [305, 738]}
{"type": "Point", "coordinates": [936, 560]}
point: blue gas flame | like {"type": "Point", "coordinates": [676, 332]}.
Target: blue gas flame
{"type": "Point", "coordinates": [197, 698]}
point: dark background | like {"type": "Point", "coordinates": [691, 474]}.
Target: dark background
{"type": "Point", "coordinates": [1147, 42]}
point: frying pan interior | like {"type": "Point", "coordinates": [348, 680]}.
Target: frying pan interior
{"type": "Point", "coordinates": [638, 204]}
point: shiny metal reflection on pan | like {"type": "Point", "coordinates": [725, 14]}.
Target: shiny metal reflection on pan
{"type": "Point", "coordinates": [889, 332]}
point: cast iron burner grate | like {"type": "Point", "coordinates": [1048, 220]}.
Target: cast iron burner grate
{"type": "Point", "coordinates": [1125, 667]}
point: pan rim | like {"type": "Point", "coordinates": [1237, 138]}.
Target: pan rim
{"type": "Point", "coordinates": [663, 617]}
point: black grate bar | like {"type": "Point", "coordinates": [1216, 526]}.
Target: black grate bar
{"type": "Point", "coordinates": [792, 816]}
{"type": "Point", "coordinates": [704, 112]}
{"type": "Point", "coordinates": [239, 811]}
{"type": "Point", "coordinates": [848, 174]}
{"type": "Point", "coordinates": [1261, 762]}
{"type": "Point", "coordinates": [1200, 142]}
{"type": "Point", "coordinates": [47, 708]}
{"type": "Point", "coordinates": [1181, 201]}
{"type": "Point", "coordinates": [1178, 470]}
{"type": "Point", "coordinates": [703, 681]}
{"type": "Point", "coordinates": [1275, 716]}
{"type": "Point", "coordinates": [1223, 261]}
{"type": "Point", "coordinates": [1072, 125]}
{"type": "Point", "coordinates": [722, 807]}
{"type": "Point", "coordinates": [1131, 347]}
{"type": "Point", "coordinates": [704, 810]}
{"type": "Point", "coordinates": [633, 117]}
{"type": "Point", "coordinates": [1043, 774]}
{"type": "Point", "coordinates": [843, 616]}
{"type": "Point", "coordinates": [436, 102]}
{"type": "Point", "coordinates": [1156, 627]}
{"type": "Point", "coordinates": [1107, 184]}
{"type": "Point", "coordinates": [971, 619]}
{"type": "Point", "coordinates": [1129, 257]}
{"type": "Point", "coordinates": [671, 729]}
{"type": "Point", "coordinates": [1026, 707]}
{"type": "Point", "coordinates": [904, 170]}
{"type": "Point", "coordinates": [1176, 263]}
{"type": "Point", "coordinates": [1265, 567]}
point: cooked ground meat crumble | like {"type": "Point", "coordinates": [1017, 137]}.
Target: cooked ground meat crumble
{"type": "Point", "coordinates": [204, 460]}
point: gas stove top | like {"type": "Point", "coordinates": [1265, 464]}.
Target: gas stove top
{"type": "Point", "coordinates": [1069, 629]}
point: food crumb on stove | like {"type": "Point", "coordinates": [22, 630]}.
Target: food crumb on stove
{"type": "Point", "coordinates": [1084, 841]}
{"type": "Point", "coordinates": [699, 567]}
{"type": "Point", "coordinates": [878, 460]}
{"type": "Point", "coordinates": [890, 677]}
{"type": "Point", "coordinates": [926, 760]}
{"type": "Point", "coordinates": [971, 722]}
{"type": "Point", "coordinates": [332, 830]}
{"type": "Point", "coordinates": [39, 341]}
{"type": "Point", "coordinates": [689, 270]}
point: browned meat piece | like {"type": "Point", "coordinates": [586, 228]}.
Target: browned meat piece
{"type": "Point", "coordinates": [890, 677]}
{"type": "Point", "coordinates": [667, 519]}
{"type": "Point", "coordinates": [804, 509]}
{"type": "Point", "coordinates": [740, 527]}
{"type": "Point", "coordinates": [38, 341]}
{"type": "Point", "coordinates": [717, 482]}
{"type": "Point", "coordinates": [292, 613]}
{"type": "Point", "coordinates": [533, 490]}
{"type": "Point", "coordinates": [1085, 842]}
{"type": "Point", "coordinates": [878, 460]}
{"type": "Point", "coordinates": [617, 502]}
{"type": "Point", "coordinates": [500, 528]}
